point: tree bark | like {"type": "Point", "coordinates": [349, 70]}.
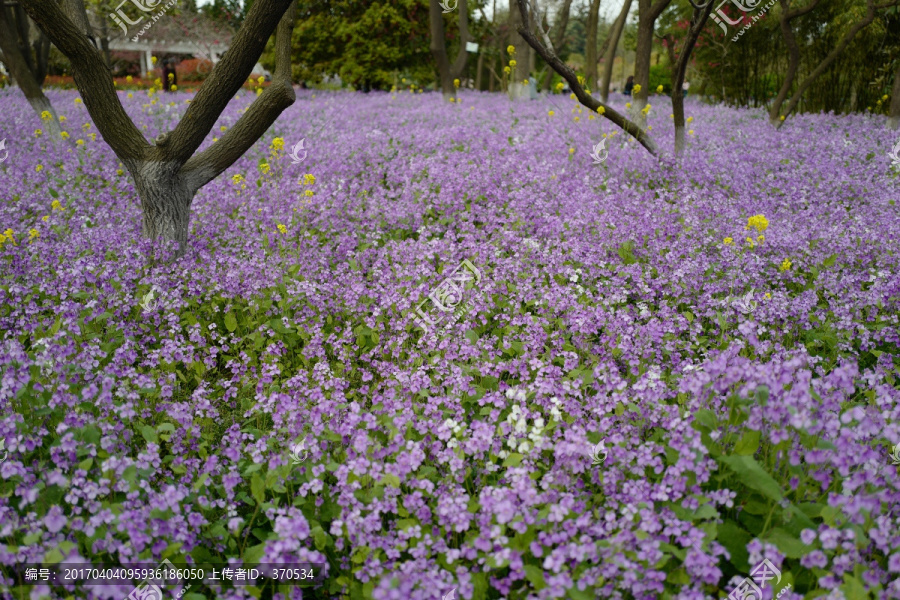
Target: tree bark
{"type": "Point", "coordinates": [894, 119]}
{"type": "Point", "coordinates": [647, 15]}
{"type": "Point", "coordinates": [462, 57]}
{"type": "Point", "coordinates": [590, 54]}
{"type": "Point", "coordinates": [790, 41]}
{"type": "Point", "coordinates": [478, 69]}
{"type": "Point", "coordinates": [523, 59]}
{"type": "Point", "coordinates": [24, 77]}
{"type": "Point", "coordinates": [168, 174]}
{"type": "Point", "coordinates": [698, 21]}
{"type": "Point", "coordinates": [439, 49]}
{"type": "Point", "coordinates": [614, 36]}
{"type": "Point", "coordinates": [871, 7]}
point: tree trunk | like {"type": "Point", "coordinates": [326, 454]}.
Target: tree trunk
{"type": "Point", "coordinates": [647, 15]}
{"type": "Point", "coordinates": [439, 49]}
{"type": "Point", "coordinates": [478, 69]}
{"type": "Point", "coordinates": [462, 57]}
{"type": "Point", "coordinates": [894, 119]}
{"type": "Point", "coordinates": [523, 57]}
{"type": "Point", "coordinates": [590, 55]}
{"type": "Point", "coordinates": [165, 203]}
{"type": "Point", "coordinates": [698, 20]}
{"type": "Point", "coordinates": [24, 77]}
{"type": "Point", "coordinates": [793, 56]}
{"type": "Point", "coordinates": [614, 36]}
{"type": "Point", "coordinates": [559, 39]}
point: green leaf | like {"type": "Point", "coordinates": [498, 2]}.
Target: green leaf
{"type": "Point", "coordinates": [752, 475]}
{"type": "Point", "coordinates": [254, 554]}
{"type": "Point", "coordinates": [230, 321]}
{"type": "Point", "coordinates": [149, 434]}
{"type": "Point", "coordinates": [86, 464]}
{"type": "Point", "coordinates": [258, 488]}
{"type": "Point", "coordinates": [360, 555]}
{"type": "Point", "coordinates": [788, 544]}
{"type": "Point", "coordinates": [748, 444]}
{"type": "Point", "coordinates": [535, 575]}
{"type": "Point", "coordinates": [391, 480]}
{"type": "Point", "coordinates": [53, 192]}
{"type": "Point", "coordinates": [513, 460]}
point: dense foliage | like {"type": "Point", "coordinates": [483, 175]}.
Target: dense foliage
{"type": "Point", "coordinates": [729, 327]}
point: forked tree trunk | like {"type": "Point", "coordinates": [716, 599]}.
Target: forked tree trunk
{"type": "Point", "coordinates": [894, 119]}
{"type": "Point", "coordinates": [446, 71]}
{"type": "Point", "coordinates": [614, 36]}
{"type": "Point", "coordinates": [166, 199]}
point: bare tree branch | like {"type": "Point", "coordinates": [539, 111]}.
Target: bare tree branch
{"type": "Point", "coordinates": [93, 80]}
{"type": "Point", "coordinates": [583, 97]}
{"type": "Point", "coordinates": [206, 166]}
{"type": "Point", "coordinates": [225, 80]}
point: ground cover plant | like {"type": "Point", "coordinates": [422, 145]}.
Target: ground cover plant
{"type": "Point", "coordinates": [727, 326]}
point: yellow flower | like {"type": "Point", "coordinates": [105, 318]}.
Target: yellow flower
{"type": "Point", "coordinates": [32, 233]}
{"type": "Point", "coordinates": [261, 80]}
{"type": "Point", "coordinates": [637, 88]}
{"type": "Point", "coordinates": [885, 97]}
{"type": "Point", "coordinates": [649, 127]}
{"type": "Point", "coordinates": [452, 99]}
{"type": "Point", "coordinates": [308, 192]}
{"type": "Point", "coordinates": [259, 91]}
{"type": "Point", "coordinates": [525, 82]}
{"type": "Point", "coordinates": [690, 119]}
{"type": "Point", "coordinates": [158, 82]}
{"type": "Point", "coordinates": [130, 95]}
{"type": "Point", "coordinates": [750, 242]}
{"type": "Point", "coordinates": [782, 117]}
{"type": "Point", "coordinates": [551, 113]}
{"type": "Point", "coordinates": [577, 119]}
{"type": "Point", "coordinates": [93, 137]}
{"type": "Point", "coordinates": [38, 133]}
{"type": "Point", "coordinates": [174, 88]}
{"type": "Point", "coordinates": [768, 296]}
{"type": "Point", "coordinates": [277, 144]}
{"type": "Point", "coordinates": [646, 109]}
{"type": "Point", "coordinates": [129, 79]}
{"type": "Point", "coordinates": [456, 83]}
{"type": "Point", "coordinates": [282, 228]}
{"type": "Point", "coordinates": [628, 105]}
{"type": "Point", "coordinates": [309, 179]}
{"type": "Point", "coordinates": [79, 142]}
{"type": "Point", "coordinates": [572, 96]}
{"type": "Point", "coordinates": [728, 241]}
{"type": "Point", "coordinates": [120, 172]}
{"type": "Point", "coordinates": [46, 116]}
{"type": "Point", "coordinates": [785, 265]}
{"type": "Point", "coordinates": [571, 150]}
{"type": "Point", "coordinates": [39, 168]}
{"type": "Point", "coordinates": [511, 49]}
{"type": "Point", "coordinates": [45, 218]}
{"type": "Point", "coordinates": [559, 86]}
{"type": "Point", "coordinates": [237, 178]}
{"type": "Point", "coordinates": [223, 128]}
{"type": "Point", "coordinates": [760, 238]}
{"type": "Point", "coordinates": [659, 89]}
{"type": "Point", "coordinates": [265, 168]}
{"type": "Point", "coordinates": [690, 132]}
{"type": "Point", "coordinates": [759, 222]}
{"type": "Point", "coordinates": [55, 205]}
{"type": "Point", "coordinates": [65, 135]}
{"type": "Point", "coordinates": [507, 70]}
{"type": "Point", "coordinates": [215, 139]}
{"type": "Point", "coordinates": [153, 60]}
{"type": "Point", "coordinates": [601, 110]}
{"type": "Point", "coordinates": [62, 119]}
{"type": "Point", "coordinates": [77, 100]}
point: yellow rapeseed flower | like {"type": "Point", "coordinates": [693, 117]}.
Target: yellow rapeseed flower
{"type": "Point", "coordinates": [79, 142]}
{"type": "Point", "coordinates": [38, 133]}
{"type": "Point", "coordinates": [120, 172]}
{"type": "Point", "coordinates": [759, 222]}
{"type": "Point", "coordinates": [785, 265]}
{"type": "Point", "coordinates": [760, 238]}
{"type": "Point", "coordinates": [65, 135]}
{"type": "Point", "coordinates": [282, 228]}
{"type": "Point", "coordinates": [637, 88]}
{"type": "Point", "coordinates": [782, 117]}
{"type": "Point", "coordinates": [511, 49]}
{"type": "Point", "coordinates": [62, 119]}
{"type": "Point", "coordinates": [507, 70]}
{"type": "Point", "coordinates": [308, 193]}
{"type": "Point", "coordinates": [309, 179]}
{"type": "Point", "coordinates": [690, 119]}
{"type": "Point", "coordinates": [559, 86]}
{"type": "Point", "coordinates": [551, 113]}
{"type": "Point", "coordinates": [32, 233]}
{"type": "Point", "coordinates": [513, 63]}
{"type": "Point", "coordinates": [238, 178]}
{"type": "Point", "coordinates": [153, 60]}
{"type": "Point", "coordinates": [573, 96]}
{"type": "Point", "coordinates": [174, 89]}
{"type": "Point", "coordinates": [628, 105]}
{"type": "Point", "coordinates": [56, 205]}
{"type": "Point", "coordinates": [261, 80]}
{"type": "Point", "coordinates": [129, 79]}
{"type": "Point", "coordinates": [750, 242]}
{"type": "Point", "coordinates": [659, 89]}
{"type": "Point", "coordinates": [39, 168]}
{"type": "Point", "coordinates": [768, 296]}
{"type": "Point", "coordinates": [77, 100]}
{"type": "Point", "coordinates": [690, 132]}
{"type": "Point", "coordinates": [456, 83]}
{"type": "Point", "coordinates": [45, 218]}
{"type": "Point", "coordinates": [601, 110]}
{"type": "Point", "coordinates": [46, 116]}
{"type": "Point", "coordinates": [278, 144]}
{"type": "Point", "coordinates": [571, 150]}
{"type": "Point", "coordinates": [728, 241]}
{"type": "Point", "coordinates": [265, 168]}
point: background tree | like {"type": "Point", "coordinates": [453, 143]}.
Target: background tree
{"type": "Point", "coordinates": [614, 35]}
{"type": "Point", "coordinates": [167, 173]}
{"type": "Point", "coordinates": [447, 72]}
{"type": "Point", "coordinates": [648, 12]}
{"type": "Point", "coordinates": [25, 52]}
{"type": "Point", "coordinates": [590, 53]}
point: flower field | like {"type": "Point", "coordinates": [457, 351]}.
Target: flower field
{"type": "Point", "coordinates": [726, 325]}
